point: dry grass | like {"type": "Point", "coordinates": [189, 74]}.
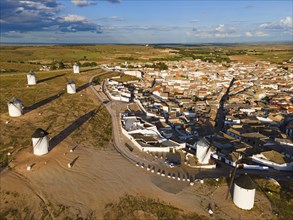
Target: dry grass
{"type": "Point", "coordinates": [56, 115]}
{"type": "Point", "coordinates": [280, 196]}
{"type": "Point", "coordinates": [24, 58]}
{"type": "Point", "coordinates": [126, 78]}
{"type": "Point", "coordinates": [140, 207]}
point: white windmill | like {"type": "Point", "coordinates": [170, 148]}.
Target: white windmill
{"type": "Point", "coordinates": [75, 68]}
{"type": "Point", "coordinates": [244, 192]}
{"type": "Point", "coordinates": [40, 142]}
{"type": "Point", "coordinates": [71, 87]}
{"type": "Point", "coordinates": [203, 151]}
{"type": "Point", "coordinates": [31, 78]}
{"type": "Point", "coordinates": [15, 107]}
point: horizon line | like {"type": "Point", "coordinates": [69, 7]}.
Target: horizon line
{"type": "Point", "coordinates": [149, 44]}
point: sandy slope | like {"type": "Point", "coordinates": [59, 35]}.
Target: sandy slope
{"type": "Point", "coordinates": [97, 178]}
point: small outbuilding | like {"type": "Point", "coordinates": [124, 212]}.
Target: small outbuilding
{"type": "Point", "coordinates": [244, 192]}
{"type": "Point", "coordinates": [31, 78]}
{"type": "Point", "coordinates": [15, 107]}
{"type": "Point", "coordinates": [40, 142]}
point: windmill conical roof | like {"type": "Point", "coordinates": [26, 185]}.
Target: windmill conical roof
{"type": "Point", "coordinates": [244, 181]}
{"type": "Point", "coordinates": [14, 100]}
{"type": "Point", "coordinates": [39, 133]}
{"type": "Point", "coordinates": [203, 142]}
{"type": "Point", "coordinates": [31, 73]}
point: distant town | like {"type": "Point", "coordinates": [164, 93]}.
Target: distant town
{"type": "Point", "coordinates": [239, 114]}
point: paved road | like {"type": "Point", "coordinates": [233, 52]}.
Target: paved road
{"type": "Point", "coordinates": [142, 158]}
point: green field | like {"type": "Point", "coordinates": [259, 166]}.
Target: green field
{"type": "Point", "coordinates": [275, 53]}
{"type": "Point", "coordinates": [25, 58]}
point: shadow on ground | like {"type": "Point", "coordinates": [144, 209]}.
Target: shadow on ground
{"type": "Point", "coordinates": [41, 103]}
{"type": "Point", "coordinates": [71, 128]}
{"type": "Point", "coordinates": [83, 87]}
{"type": "Point", "coordinates": [50, 78]}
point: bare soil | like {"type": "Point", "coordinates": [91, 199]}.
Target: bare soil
{"type": "Point", "coordinates": [52, 190]}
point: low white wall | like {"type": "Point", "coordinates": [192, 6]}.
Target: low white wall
{"type": "Point", "coordinates": [156, 149]}
{"type": "Point", "coordinates": [150, 149]}
{"type": "Point", "coordinates": [285, 166]}
{"type": "Point", "coordinates": [117, 98]}
{"type": "Point", "coordinates": [131, 139]}
{"type": "Point", "coordinates": [254, 167]}
{"type": "Point", "coordinates": [140, 105]}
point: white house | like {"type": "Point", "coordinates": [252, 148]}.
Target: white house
{"type": "Point", "coordinates": [274, 160]}
{"type": "Point", "coordinates": [135, 73]}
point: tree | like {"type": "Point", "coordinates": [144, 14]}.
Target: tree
{"type": "Point", "coordinates": [195, 98]}
{"type": "Point", "coordinates": [61, 65]}
{"type": "Point", "coordinates": [266, 100]}
{"type": "Point", "coordinates": [161, 66]}
{"type": "Point", "coordinates": [53, 67]}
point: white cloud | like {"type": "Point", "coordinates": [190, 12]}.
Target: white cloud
{"type": "Point", "coordinates": [74, 18]}
{"type": "Point", "coordinates": [284, 24]}
{"type": "Point", "coordinates": [220, 28]}
{"type": "Point", "coordinates": [37, 5]}
{"type": "Point", "coordinates": [224, 35]}
{"type": "Point", "coordinates": [287, 22]}
{"type": "Point", "coordinates": [272, 26]}
{"type": "Point", "coordinates": [220, 31]}
{"type": "Point", "coordinates": [224, 30]}
{"type": "Point", "coordinates": [142, 27]}
{"type": "Point", "coordinates": [248, 34]}
{"type": "Point", "coordinates": [255, 34]}
{"type": "Point", "coordinates": [81, 3]}
{"type": "Point", "coordinates": [260, 34]}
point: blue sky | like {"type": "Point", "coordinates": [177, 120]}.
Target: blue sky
{"type": "Point", "coordinates": [137, 21]}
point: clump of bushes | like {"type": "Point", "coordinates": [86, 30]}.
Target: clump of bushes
{"type": "Point", "coordinates": [135, 207]}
